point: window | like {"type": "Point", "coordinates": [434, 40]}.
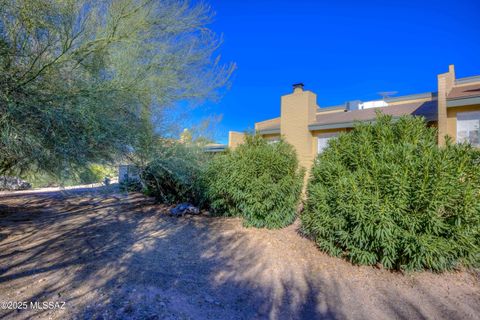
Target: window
{"type": "Point", "coordinates": [273, 140]}
{"type": "Point", "coordinates": [323, 140]}
{"type": "Point", "coordinates": [468, 128]}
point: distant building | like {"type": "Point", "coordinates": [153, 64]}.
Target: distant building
{"type": "Point", "coordinates": [128, 173]}
{"type": "Point", "coordinates": [454, 109]}
{"type": "Point", "coordinates": [215, 147]}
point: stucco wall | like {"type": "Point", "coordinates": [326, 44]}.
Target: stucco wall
{"type": "Point", "coordinates": [298, 110]}
{"type": "Point", "coordinates": [235, 139]}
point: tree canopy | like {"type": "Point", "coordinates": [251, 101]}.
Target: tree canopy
{"type": "Point", "coordinates": [81, 81]}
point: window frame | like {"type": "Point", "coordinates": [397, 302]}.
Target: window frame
{"type": "Point", "coordinates": [467, 123]}
{"type": "Point", "coordinates": [322, 137]}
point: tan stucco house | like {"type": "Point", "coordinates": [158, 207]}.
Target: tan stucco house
{"type": "Point", "coordinates": [454, 108]}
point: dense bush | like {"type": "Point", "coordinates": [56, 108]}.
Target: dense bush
{"type": "Point", "coordinates": [260, 182]}
{"type": "Point", "coordinates": [385, 193]}
{"type": "Point", "coordinates": [96, 173]}
{"type": "Point", "coordinates": [175, 174]}
{"type": "Point", "coordinates": [92, 173]}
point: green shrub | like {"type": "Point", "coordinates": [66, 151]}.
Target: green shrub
{"type": "Point", "coordinates": [92, 173]}
{"type": "Point", "coordinates": [385, 193]}
{"type": "Point", "coordinates": [260, 182]}
{"type": "Point", "coordinates": [134, 185]}
{"type": "Point", "coordinates": [95, 173]}
{"type": "Point", "coordinates": [175, 174]}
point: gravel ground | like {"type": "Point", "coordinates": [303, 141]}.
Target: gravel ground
{"type": "Point", "coordinates": [109, 255]}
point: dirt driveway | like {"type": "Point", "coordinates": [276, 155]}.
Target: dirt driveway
{"type": "Point", "coordinates": [112, 256]}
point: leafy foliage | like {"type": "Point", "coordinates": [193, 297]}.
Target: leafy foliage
{"type": "Point", "coordinates": [260, 182]}
{"type": "Point", "coordinates": [94, 173]}
{"type": "Point", "coordinates": [385, 193]}
{"type": "Point", "coordinates": [175, 173]}
{"type": "Point", "coordinates": [79, 78]}
{"type": "Point", "coordinates": [91, 173]}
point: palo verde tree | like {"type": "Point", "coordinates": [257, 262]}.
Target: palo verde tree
{"type": "Point", "coordinates": [81, 80]}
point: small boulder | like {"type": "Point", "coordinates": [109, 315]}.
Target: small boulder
{"type": "Point", "coordinates": [13, 183]}
{"type": "Point", "coordinates": [183, 209]}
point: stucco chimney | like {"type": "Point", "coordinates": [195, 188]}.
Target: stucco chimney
{"type": "Point", "coordinates": [298, 110]}
{"type": "Point", "coordinates": [446, 81]}
{"type": "Point", "coordinates": [298, 87]}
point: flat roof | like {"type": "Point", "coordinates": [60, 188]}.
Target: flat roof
{"type": "Point", "coordinates": [215, 147]}
{"type": "Point", "coordinates": [427, 109]}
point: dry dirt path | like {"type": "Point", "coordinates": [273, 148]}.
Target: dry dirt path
{"type": "Point", "coordinates": [113, 256]}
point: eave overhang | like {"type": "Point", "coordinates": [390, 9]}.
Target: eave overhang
{"type": "Point", "coordinates": [269, 131]}
{"type": "Point", "coordinates": [463, 102]}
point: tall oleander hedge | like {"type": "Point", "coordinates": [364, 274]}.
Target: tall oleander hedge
{"type": "Point", "coordinates": [386, 194]}
{"type": "Point", "coordinates": [259, 181]}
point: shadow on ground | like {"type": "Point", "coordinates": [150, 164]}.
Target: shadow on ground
{"type": "Point", "coordinates": [115, 256]}
{"type": "Point", "coordinates": [111, 256]}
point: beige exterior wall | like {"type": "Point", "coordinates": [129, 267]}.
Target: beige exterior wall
{"type": "Point", "coordinates": [445, 85]}
{"type": "Point", "coordinates": [235, 139]}
{"type": "Point", "coordinates": [298, 110]}
{"type": "Point", "coordinates": [267, 124]}
{"type": "Point", "coordinates": [451, 119]}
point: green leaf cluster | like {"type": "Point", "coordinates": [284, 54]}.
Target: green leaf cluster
{"type": "Point", "coordinates": [386, 194]}
{"type": "Point", "coordinates": [77, 78]}
{"type": "Point", "coordinates": [175, 174]}
{"type": "Point", "coordinates": [259, 181]}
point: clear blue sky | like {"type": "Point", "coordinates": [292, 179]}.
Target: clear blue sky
{"type": "Point", "coordinates": [341, 50]}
